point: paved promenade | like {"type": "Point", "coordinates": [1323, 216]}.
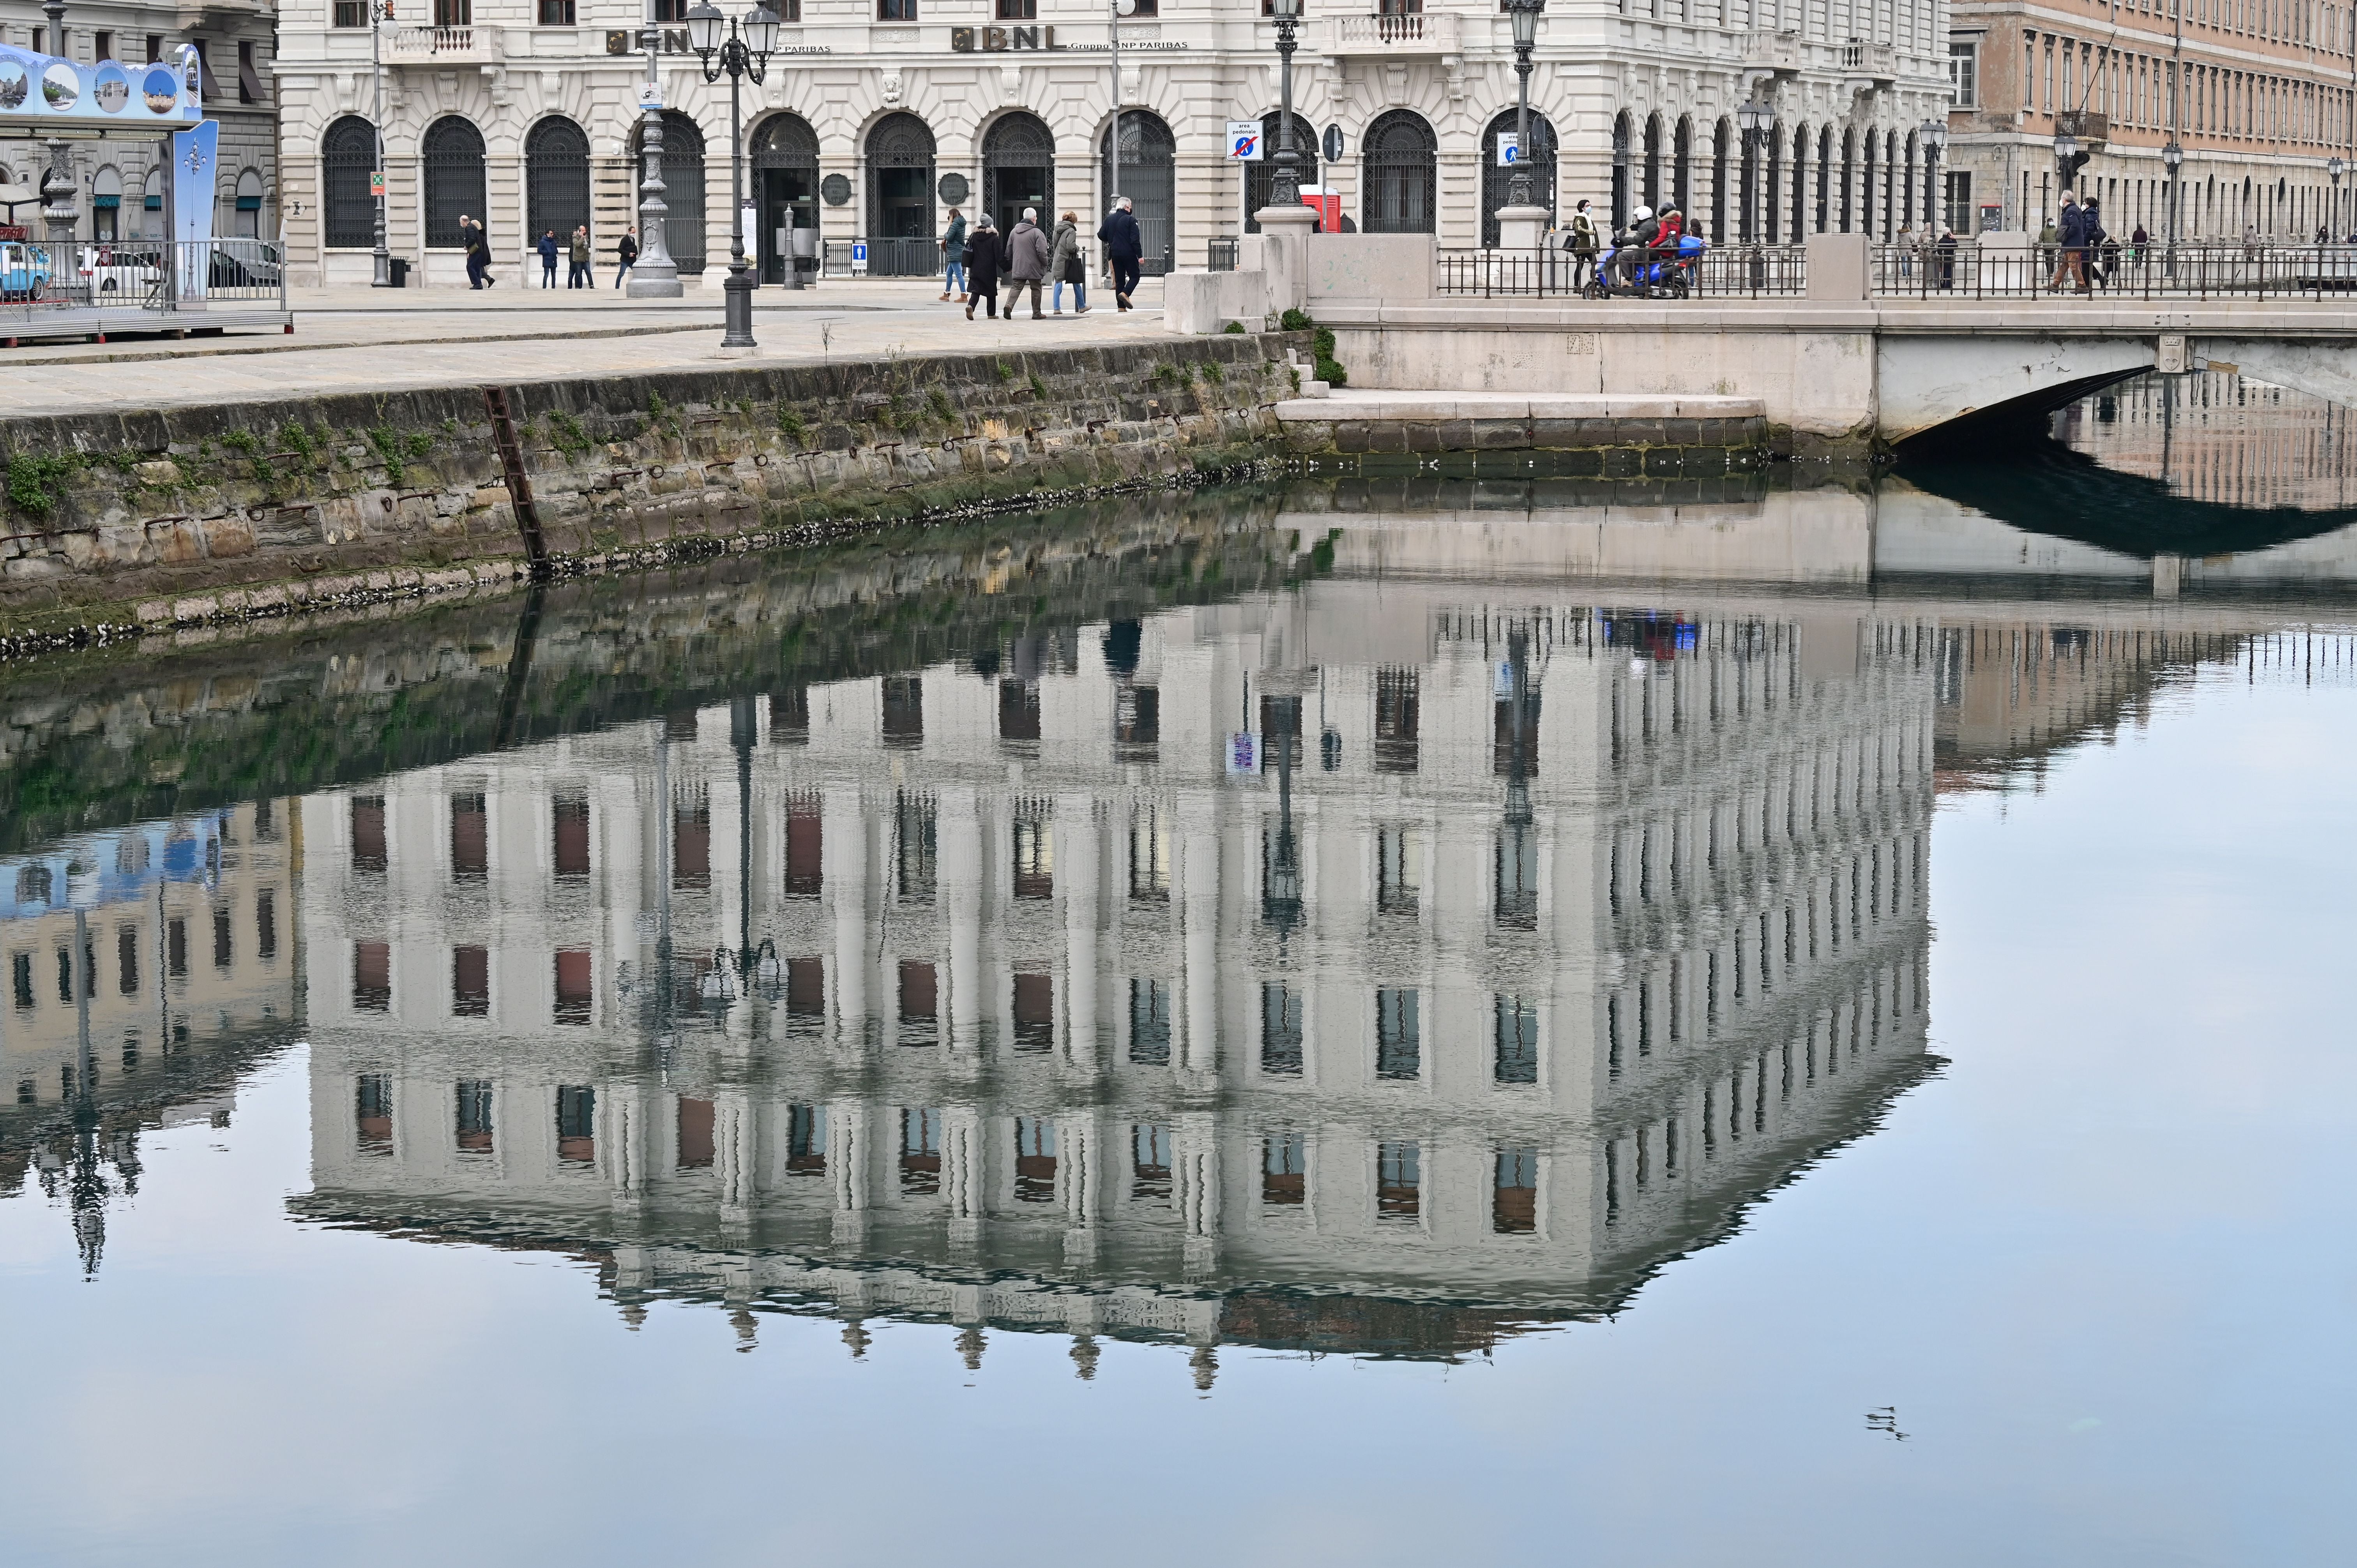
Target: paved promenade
{"type": "Point", "coordinates": [362, 340]}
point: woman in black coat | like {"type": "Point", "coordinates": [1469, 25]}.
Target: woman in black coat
{"type": "Point", "coordinates": [985, 247]}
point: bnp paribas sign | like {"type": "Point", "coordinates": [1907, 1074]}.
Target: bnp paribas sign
{"type": "Point", "coordinates": [997, 40]}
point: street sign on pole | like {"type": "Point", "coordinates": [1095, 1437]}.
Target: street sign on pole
{"type": "Point", "coordinates": [376, 183]}
{"type": "Point", "coordinates": [858, 257]}
{"type": "Point", "coordinates": [1509, 149]}
{"type": "Point", "coordinates": [1244, 141]}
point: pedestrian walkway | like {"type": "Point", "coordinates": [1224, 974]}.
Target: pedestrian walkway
{"type": "Point", "coordinates": [362, 340]}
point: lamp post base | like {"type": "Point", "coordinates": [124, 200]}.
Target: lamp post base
{"type": "Point", "coordinates": [736, 312]}
{"type": "Point", "coordinates": [653, 280]}
{"type": "Point", "coordinates": [1521, 227]}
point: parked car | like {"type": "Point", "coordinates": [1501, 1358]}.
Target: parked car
{"type": "Point", "coordinates": [119, 274]}
{"type": "Point", "coordinates": [24, 271]}
{"type": "Point", "coordinates": [244, 263]}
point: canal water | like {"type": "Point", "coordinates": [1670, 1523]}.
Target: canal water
{"type": "Point", "coordinates": [1429, 1018]}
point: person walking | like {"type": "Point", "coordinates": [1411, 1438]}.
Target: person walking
{"type": "Point", "coordinates": [1945, 251]}
{"type": "Point", "coordinates": [627, 254]}
{"type": "Point", "coordinates": [1124, 247]}
{"type": "Point", "coordinates": [1026, 262]}
{"type": "Point", "coordinates": [477, 252]}
{"type": "Point", "coordinates": [1906, 250]}
{"type": "Point", "coordinates": [2071, 233]}
{"type": "Point", "coordinates": [548, 260]}
{"type": "Point", "coordinates": [578, 276]}
{"type": "Point", "coordinates": [2049, 237]}
{"type": "Point", "coordinates": [1068, 264]}
{"type": "Point", "coordinates": [1583, 245]}
{"type": "Point", "coordinates": [953, 255]}
{"type": "Point", "coordinates": [983, 247]}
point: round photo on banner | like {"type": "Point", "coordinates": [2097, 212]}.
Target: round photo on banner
{"type": "Point", "coordinates": [14, 84]}
{"type": "Point", "coordinates": [162, 91]}
{"type": "Point", "coordinates": [61, 86]}
{"type": "Point", "coordinates": [111, 88]}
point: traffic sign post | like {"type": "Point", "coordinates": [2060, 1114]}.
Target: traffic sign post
{"type": "Point", "coordinates": [1244, 141]}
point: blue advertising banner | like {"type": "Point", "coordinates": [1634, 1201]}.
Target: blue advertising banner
{"type": "Point", "coordinates": [188, 181]}
{"type": "Point", "coordinates": [42, 89]}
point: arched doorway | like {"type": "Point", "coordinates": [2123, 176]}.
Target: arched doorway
{"type": "Point", "coordinates": [682, 179]}
{"type": "Point", "coordinates": [557, 179]}
{"type": "Point", "coordinates": [1402, 158]}
{"type": "Point", "coordinates": [1825, 177]}
{"type": "Point", "coordinates": [900, 196]}
{"type": "Point", "coordinates": [1621, 132]}
{"type": "Point", "coordinates": [1772, 207]}
{"type": "Point", "coordinates": [1907, 187]}
{"type": "Point", "coordinates": [106, 205]}
{"type": "Point", "coordinates": [1150, 177]}
{"type": "Point", "coordinates": [1018, 170]}
{"type": "Point", "coordinates": [1260, 179]}
{"type": "Point", "coordinates": [785, 186]}
{"type": "Point", "coordinates": [347, 155]}
{"type": "Point", "coordinates": [1496, 179]}
{"type": "Point", "coordinates": [249, 203]}
{"type": "Point", "coordinates": [453, 159]}
{"type": "Point", "coordinates": [1848, 181]}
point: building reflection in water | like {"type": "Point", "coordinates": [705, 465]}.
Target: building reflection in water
{"type": "Point", "coordinates": [147, 966]}
{"type": "Point", "coordinates": [2215, 436]}
{"type": "Point", "coordinates": [1369, 968]}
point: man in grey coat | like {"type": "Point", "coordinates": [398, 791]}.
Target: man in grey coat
{"type": "Point", "coordinates": [1026, 262]}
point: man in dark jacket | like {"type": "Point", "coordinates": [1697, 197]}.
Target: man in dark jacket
{"type": "Point", "coordinates": [1028, 254]}
{"type": "Point", "coordinates": [627, 254]}
{"type": "Point", "coordinates": [2070, 233]}
{"type": "Point", "coordinates": [982, 254]}
{"type": "Point", "coordinates": [1123, 246]}
{"type": "Point", "coordinates": [547, 258]}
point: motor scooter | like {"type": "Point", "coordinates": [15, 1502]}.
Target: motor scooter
{"type": "Point", "coordinates": [1670, 275]}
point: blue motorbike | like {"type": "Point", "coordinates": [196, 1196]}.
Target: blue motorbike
{"type": "Point", "coordinates": [1670, 275]}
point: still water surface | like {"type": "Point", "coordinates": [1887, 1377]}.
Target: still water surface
{"type": "Point", "coordinates": [1380, 1021]}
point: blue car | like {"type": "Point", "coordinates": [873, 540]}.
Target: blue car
{"type": "Point", "coordinates": [24, 271]}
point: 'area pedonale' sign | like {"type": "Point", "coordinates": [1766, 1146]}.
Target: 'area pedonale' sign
{"type": "Point", "coordinates": [996, 40]}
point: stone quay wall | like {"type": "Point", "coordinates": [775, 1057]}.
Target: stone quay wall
{"type": "Point", "coordinates": [124, 522]}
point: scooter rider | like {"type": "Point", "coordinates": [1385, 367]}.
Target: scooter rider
{"type": "Point", "coordinates": [1634, 249]}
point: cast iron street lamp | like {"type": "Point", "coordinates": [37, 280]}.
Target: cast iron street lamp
{"type": "Point", "coordinates": [1753, 118]}
{"type": "Point", "coordinates": [380, 13]}
{"type": "Point", "coordinates": [57, 185]}
{"type": "Point", "coordinates": [2336, 168]}
{"type": "Point", "coordinates": [2066, 161]}
{"type": "Point", "coordinates": [743, 53]}
{"type": "Point", "coordinates": [2173, 157]}
{"type": "Point", "coordinates": [1284, 190]}
{"type": "Point", "coordinates": [654, 275]}
{"type": "Point", "coordinates": [1525, 17]}
{"type": "Point", "coordinates": [1933, 135]}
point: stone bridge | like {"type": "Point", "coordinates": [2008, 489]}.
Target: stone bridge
{"type": "Point", "coordinates": [1831, 374]}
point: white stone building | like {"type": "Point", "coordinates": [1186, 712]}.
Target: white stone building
{"type": "Point", "coordinates": [1566, 933]}
{"type": "Point", "coordinates": [878, 115]}
{"type": "Point", "coordinates": [119, 182]}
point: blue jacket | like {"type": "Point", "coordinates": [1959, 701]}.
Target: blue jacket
{"type": "Point", "coordinates": [548, 249]}
{"type": "Point", "coordinates": [2073, 230]}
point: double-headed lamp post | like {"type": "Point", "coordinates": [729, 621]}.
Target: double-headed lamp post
{"type": "Point", "coordinates": [1933, 135]}
{"type": "Point", "coordinates": [1285, 189]}
{"type": "Point", "coordinates": [1752, 118]}
{"type": "Point", "coordinates": [1525, 14]}
{"type": "Point", "coordinates": [745, 52]}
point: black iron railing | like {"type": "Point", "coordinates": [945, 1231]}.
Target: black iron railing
{"type": "Point", "coordinates": [2117, 271]}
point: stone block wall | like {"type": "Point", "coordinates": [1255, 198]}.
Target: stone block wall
{"type": "Point", "coordinates": [183, 515]}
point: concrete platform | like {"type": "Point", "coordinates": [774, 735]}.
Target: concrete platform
{"type": "Point", "coordinates": [1442, 407]}
{"type": "Point", "coordinates": [68, 324]}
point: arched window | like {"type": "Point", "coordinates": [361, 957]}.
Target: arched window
{"type": "Point", "coordinates": [1260, 179]}
{"type": "Point", "coordinates": [106, 204]}
{"type": "Point", "coordinates": [249, 203]}
{"type": "Point", "coordinates": [1802, 143]}
{"type": "Point", "coordinates": [1402, 158]}
{"type": "Point", "coordinates": [557, 179]}
{"type": "Point", "coordinates": [899, 192]}
{"type": "Point", "coordinates": [455, 184]}
{"type": "Point", "coordinates": [1653, 187]}
{"type": "Point", "coordinates": [1497, 180]}
{"type": "Point", "coordinates": [1150, 177]}
{"type": "Point", "coordinates": [151, 216]}
{"type": "Point", "coordinates": [1773, 206]}
{"type": "Point", "coordinates": [785, 186]}
{"type": "Point", "coordinates": [1018, 170]}
{"type": "Point", "coordinates": [347, 155]}
{"type": "Point", "coordinates": [1825, 177]}
{"type": "Point", "coordinates": [1681, 166]}
{"type": "Point", "coordinates": [1722, 147]}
